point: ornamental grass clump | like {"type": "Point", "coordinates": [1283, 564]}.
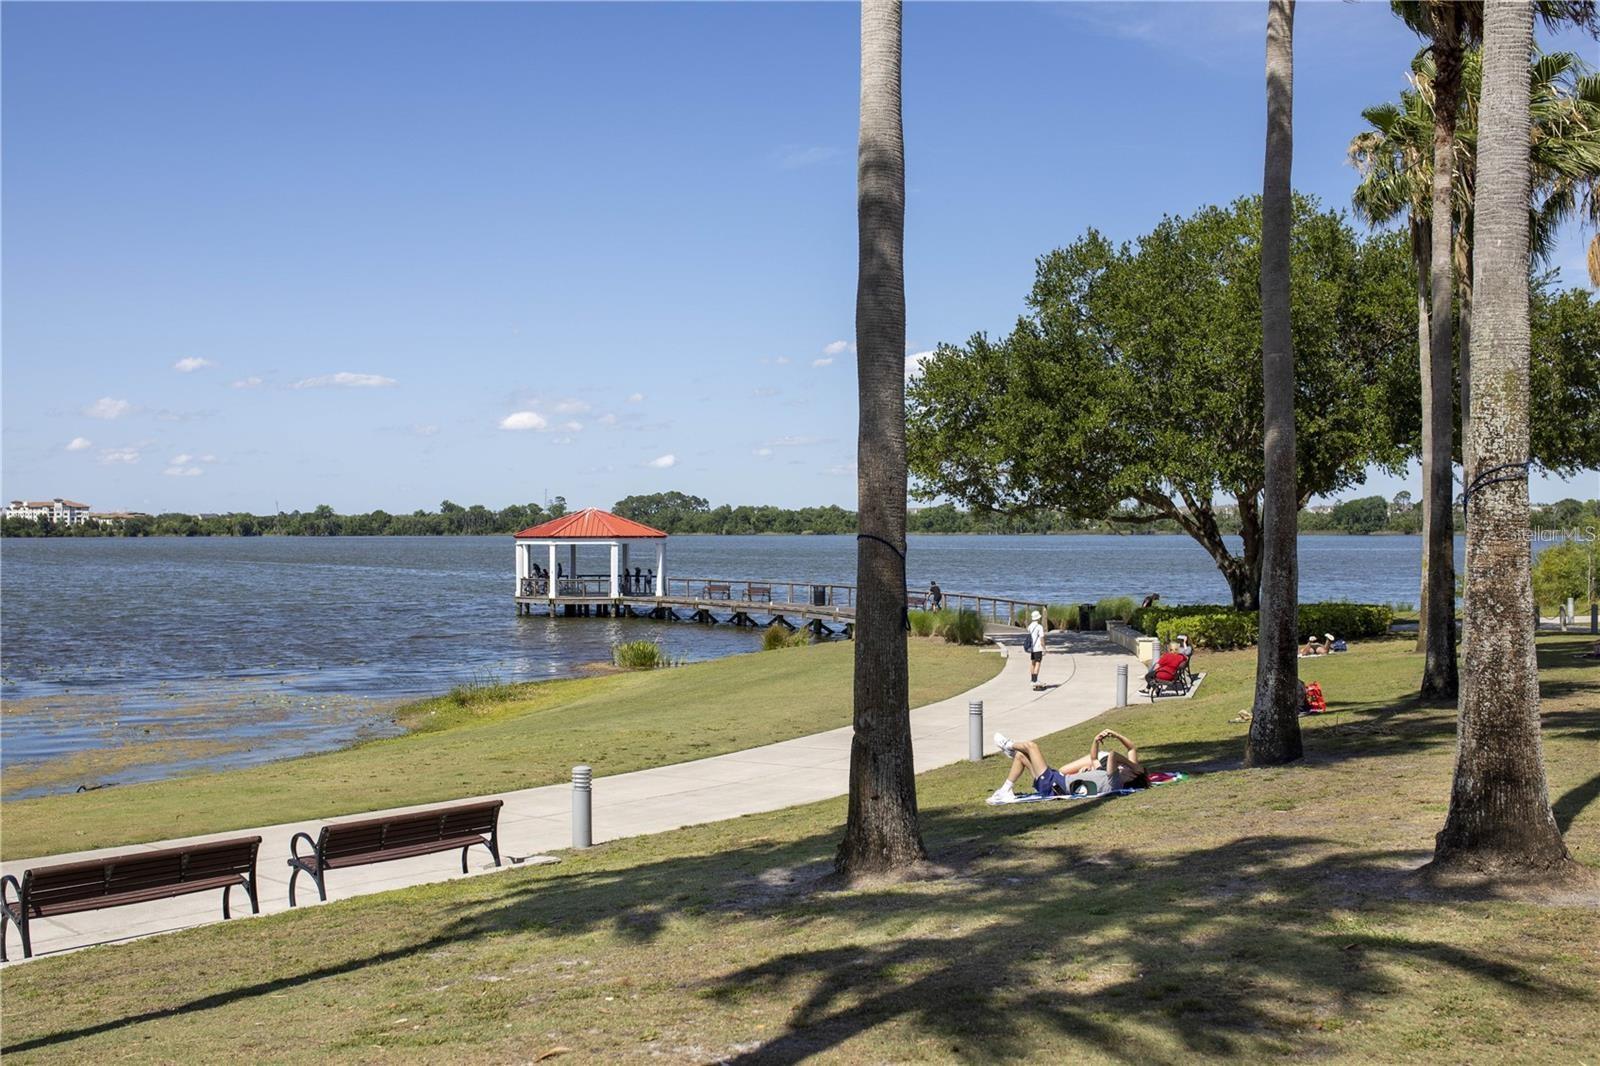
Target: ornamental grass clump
{"type": "Point", "coordinates": [777, 637]}
{"type": "Point", "coordinates": [639, 655]}
{"type": "Point", "coordinates": [923, 623]}
{"type": "Point", "coordinates": [963, 627]}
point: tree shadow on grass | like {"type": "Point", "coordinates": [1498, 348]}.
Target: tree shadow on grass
{"type": "Point", "coordinates": [1222, 948]}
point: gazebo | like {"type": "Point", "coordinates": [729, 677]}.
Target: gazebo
{"type": "Point", "coordinates": [537, 547]}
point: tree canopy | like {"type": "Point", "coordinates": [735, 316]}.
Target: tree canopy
{"type": "Point", "coordinates": [1134, 378]}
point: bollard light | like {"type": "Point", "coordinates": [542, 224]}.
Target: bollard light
{"type": "Point", "coordinates": [975, 731]}
{"type": "Point", "coordinates": [1122, 685]}
{"type": "Point", "coordinates": [582, 808]}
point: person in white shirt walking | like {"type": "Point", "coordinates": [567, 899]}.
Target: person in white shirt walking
{"type": "Point", "coordinates": [1035, 649]}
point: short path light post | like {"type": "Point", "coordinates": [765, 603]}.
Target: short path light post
{"type": "Point", "coordinates": [975, 731]}
{"type": "Point", "coordinates": [582, 807]}
{"type": "Point", "coordinates": [1122, 685]}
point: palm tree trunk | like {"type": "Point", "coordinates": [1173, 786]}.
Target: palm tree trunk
{"type": "Point", "coordinates": [881, 833]}
{"type": "Point", "coordinates": [1421, 237]}
{"type": "Point", "coordinates": [1439, 656]}
{"type": "Point", "coordinates": [1275, 722]}
{"type": "Point", "coordinates": [1500, 819]}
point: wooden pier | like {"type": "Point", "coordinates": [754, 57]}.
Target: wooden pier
{"type": "Point", "coordinates": [824, 608]}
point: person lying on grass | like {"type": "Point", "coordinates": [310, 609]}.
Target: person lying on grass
{"type": "Point", "coordinates": [1124, 771]}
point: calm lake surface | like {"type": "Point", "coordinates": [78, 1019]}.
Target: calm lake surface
{"type": "Point", "coordinates": [133, 659]}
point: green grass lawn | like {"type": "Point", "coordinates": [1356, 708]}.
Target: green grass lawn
{"type": "Point", "coordinates": [512, 737]}
{"type": "Point", "coordinates": [1243, 915]}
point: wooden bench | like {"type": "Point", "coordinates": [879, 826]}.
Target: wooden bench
{"type": "Point", "coordinates": [397, 836]}
{"type": "Point", "coordinates": [134, 877]}
{"type": "Point", "coordinates": [719, 592]}
{"type": "Point", "coordinates": [758, 593]}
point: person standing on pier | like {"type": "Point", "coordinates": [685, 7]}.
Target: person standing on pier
{"type": "Point", "coordinates": [1035, 649]}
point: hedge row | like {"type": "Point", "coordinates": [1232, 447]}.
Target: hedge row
{"type": "Point", "coordinates": [1215, 626]}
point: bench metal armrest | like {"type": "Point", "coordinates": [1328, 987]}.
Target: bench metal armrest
{"type": "Point", "coordinates": [311, 861]}
{"type": "Point", "coordinates": [14, 909]}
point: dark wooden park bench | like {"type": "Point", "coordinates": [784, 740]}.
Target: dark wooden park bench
{"type": "Point", "coordinates": [759, 593]}
{"type": "Point", "coordinates": [133, 877]}
{"type": "Point", "coordinates": [396, 836]}
{"type": "Point", "coordinates": [719, 592]}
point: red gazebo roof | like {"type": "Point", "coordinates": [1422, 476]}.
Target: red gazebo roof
{"type": "Point", "coordinates": [590, 524]}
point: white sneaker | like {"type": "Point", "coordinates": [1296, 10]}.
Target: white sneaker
{"type": "Point", "coordinates": [1005, 745]}
{"type": "Point", "coordinates": [1003, 794]}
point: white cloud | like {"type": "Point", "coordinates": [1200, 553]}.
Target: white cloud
{"type": "Point", "coordinates": [78, 444]}
{"type": "Point", "coordinates": [764, 392]}
{"type": "Point", "coordinates": [425, 430]}
{"type": "Point", "coordinates": [524, 420]}
{"type": "Point", "coordinates": [190, 364]}
{"type": "Point", "coordinates": [560, 440]}
{"type": "Point", "coordinates": [822, 362]}
{"type": "Point", "coordinates": [914, 363]}
{"type": "Point", "coordinates": [248, 383]}
{"type": "Point", "coordinates": [180, 460]}
{"type": "Point", "coordinates": [637, 397]}
{"type": "Point", "coordinates": [798, 156]}
{"type": "Point", "coordinates": [842, 470]}
{"type": "Point", "coordinates": [183, 471]}
{"type": "Point", "coordinates": [763, 452]}
{"type": "Point", "coordinates": [796, 440]}
{"type": "Point", "coordinates": [837, 348]}
{"type": "Point", "coordinates": [114, 456]}
{"type": "Point", "coordinates": [107, 408]}
{"type": "Point", "coordinates": [345, 380]}
{"type": "Point", "coordinates": [607, 419]}
{"type": "Point", "coordinates": [572, 407]}
{"type": "Point", "coordinates": [572, 427]}
{"type": "Point", "coordinates": [662, 462]}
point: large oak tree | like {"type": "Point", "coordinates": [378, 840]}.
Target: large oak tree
{"type": "Point", "coordinates": [1132, 389]}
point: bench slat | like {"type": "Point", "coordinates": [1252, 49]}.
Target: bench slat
{"type": "Point", "coordinates": [144, 895]}
{"type": "Point", "coordinates": [429, 847]}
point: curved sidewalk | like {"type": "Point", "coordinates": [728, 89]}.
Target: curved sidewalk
{"type": "Point", "coordinates": [1080, 671]}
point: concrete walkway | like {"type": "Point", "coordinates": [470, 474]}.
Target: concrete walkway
{"type": "Point", "coordinates": [1080, 670]}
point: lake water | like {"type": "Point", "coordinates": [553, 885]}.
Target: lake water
{"type": "Point", "coordinates": [132, 659]}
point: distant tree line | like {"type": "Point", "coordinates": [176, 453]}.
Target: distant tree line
{"type": "Point", "coordinates": [679, 513]}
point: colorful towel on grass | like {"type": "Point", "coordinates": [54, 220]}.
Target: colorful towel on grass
{"type": "Point", "coordinates": [1157, 777]}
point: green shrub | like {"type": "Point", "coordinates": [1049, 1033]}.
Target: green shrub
{"type": "Point", "coordinates": [1219, 629]}
{"type": "Point", "coordinates": [1347, 621]}
{"type": "Point", "coordinates": [1214, 625]}
{"type": "Point", "coordinates": [639, 655]}
{"type": "Point", "coordinates": [963, 627]}
{"type": "Point", "coordinates": [483, 688]}
{"type": "Point", "coordinates": [777, 636]}
{"type": "Point", "coordinates": [1563, 570]}
{"type": "Point", "coordinates": [923, 623]}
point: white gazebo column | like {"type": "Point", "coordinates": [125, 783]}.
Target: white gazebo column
{"type": "Point", "coordinates": [550, 574]}
{"type": "Point", "coordinates": [522, 565]}
{"type": "Point", "coordinates": [616, 552]}
{"type": "Point", "coordinates": [661, 568]}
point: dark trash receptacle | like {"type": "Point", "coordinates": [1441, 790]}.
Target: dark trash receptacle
{"type": "Point", "coordinates": [819, 595]}
{"type": "Point", "coordinates": [1084, 611]}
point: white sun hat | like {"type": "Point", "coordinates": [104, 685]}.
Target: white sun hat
{"type": "Point", "coordinates": [1035, 616]}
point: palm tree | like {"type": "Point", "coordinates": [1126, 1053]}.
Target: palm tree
{"type": "Point", "coordinates": [1274, 722]}
{"type": "Point", "coordinates": [1395, 161]}
{"type": "Point", "coordinates": [1500, 819]}
{"type": "Point", "coordinates": [881, 833]}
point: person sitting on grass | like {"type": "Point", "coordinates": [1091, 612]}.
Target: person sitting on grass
{"type": "Point", "coordinates": [1125, 771]}
{"type": "Point", "coordinates": [1313, 646]}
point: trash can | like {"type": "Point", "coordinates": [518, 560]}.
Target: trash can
{"type": "Point", "coordinates": [1085, 610]}
{"type": "Point", "coordinates": [819, 595]}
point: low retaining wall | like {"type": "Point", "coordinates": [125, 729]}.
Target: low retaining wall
{"type": "Point", "coordinates": [1131, 640]}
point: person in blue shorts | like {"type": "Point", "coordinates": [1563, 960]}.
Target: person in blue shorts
{"type": "Point", "coordinates": [1125, 771]}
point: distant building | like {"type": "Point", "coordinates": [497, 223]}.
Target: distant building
{"type": "Point", "coordinates": [61, 512]}
{"type": "Point", "coordinates": [1320, 508]}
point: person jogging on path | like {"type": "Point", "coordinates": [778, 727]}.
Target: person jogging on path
{"type": "Point", "coordinates": [1035, 649]}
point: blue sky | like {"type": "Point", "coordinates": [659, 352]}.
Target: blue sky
{"type": "Point", "coordinates": [377, 255]}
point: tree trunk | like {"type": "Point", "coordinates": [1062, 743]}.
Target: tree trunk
{"type": "Point", "coordinates": [1500, 819]}
{"type": "Point", "coordinates": [1439, 662]}
{"type": "Point", "coordinates": [1464, 364]}
{"type": "Point", "coordinates": [882, 830]}
{"type": "Point", "coordinates": [1275, 717]}
{"type": "Point", "coordinates": [1420, 253]}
